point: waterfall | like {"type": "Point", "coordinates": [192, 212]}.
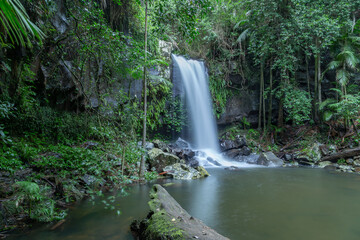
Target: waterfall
{"type": "Point", "coordinates": [191, 83]}
{"type": "Point", "coordinates": [194, 79]}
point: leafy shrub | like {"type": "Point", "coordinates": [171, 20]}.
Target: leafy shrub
{"type": "Point", "coordinates": [33, 199]}
{"type": "Point", "coordinates": [297, 104]}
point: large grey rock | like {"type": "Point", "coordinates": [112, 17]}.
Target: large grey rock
{"type": "Point", "coordinates": [184, 172]}
{"type": "Point", "coordinates": [159, 159]}
{"type": "Point", "coordinates": [235, 153]}
{"type": "Point", "coordinates": [227, 144]}
{"type": "Point", "coordinates": [269, 159]}
{"type": "Point", "coordinates": [180, 144]}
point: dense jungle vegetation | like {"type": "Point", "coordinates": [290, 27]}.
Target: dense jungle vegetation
{"type": "Point", "coordinates": [72, 81]}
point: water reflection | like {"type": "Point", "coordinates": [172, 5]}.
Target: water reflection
{"type": "Point", "coordinates": [259, 203]}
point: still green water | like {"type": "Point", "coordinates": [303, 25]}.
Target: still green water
{"type": "Point", "coordinates": [252, 203]}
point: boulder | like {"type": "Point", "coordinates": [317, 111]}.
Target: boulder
{"type": "Point", "coordinates": [357, 163]}
{"type": "Point", "coordinates": [148, 145]}
{"type": "Point", "coordinates": [214, 162]}
{"type": "Point", "coordinates": [180, 143]}
{"type": "Point", "coordinates": [345, 168]}
{"type": "Point", "coordinates": [159, 144]}
{"type": "Point", "coordinates": [324, 164]}
{"type": "Point", "coordinates": [193, 163]}
{"type": "Point", "coordinates": [168, 220]}
{"type": "Point", "coordinates": [234, 153]}
{"type": "Point", "coordinates": [227, 144]}
{"type": "Point", "coordinates": [232, 168]}
{"type": "Point", "coordinates": [184, 172]}
{"type": "Point", "coordinates": [330, 167]}
{"type": "Point", "coordinates": [158, 159]}
{"type": "Point", "coordinates": [311, 154]}
{"type": "Point", "coordinates": [269, 159]}
{"type": "Point", "coordinates": [202, 171]}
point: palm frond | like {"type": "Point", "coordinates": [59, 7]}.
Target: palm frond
{"type": "Point", "coordinates": [243, 35]}
{"type": "Point", "coordinates": [342, 76]}
{"type": "Point", "coordinates": [17, 24]}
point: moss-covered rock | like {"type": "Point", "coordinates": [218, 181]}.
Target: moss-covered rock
{"type": "Point", "coordinates": [158, 159]}
{"type": "Point", "coordinates": [185, 172]}
{"type": "Point", "coordinates": [311, 154]}
{"type": "Point", "coordinates": [168, 220]}
{"type": "Point", "coordinates": [202, 171]}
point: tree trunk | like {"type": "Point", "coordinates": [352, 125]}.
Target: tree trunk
{"type": "Point", "coordinates": [261, 92]}
{"type": "Point", "coordinates": [270, 98]}
{"type": "Point", "coordinates": [307, 74]}
{"type": "Point", "coordinates": [142, 163]}
{"type": "Point", "coordinates": [345, 154]}
{"type": "Point", "coordinates": [263, 99]}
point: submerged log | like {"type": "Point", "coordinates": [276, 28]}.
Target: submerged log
{"type": "Point", "coordinates": [344, 154]}
{"type": "Point", "coordinates": [168, 220]}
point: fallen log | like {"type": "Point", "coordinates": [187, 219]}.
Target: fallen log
{"type": "Point", "coordinates": [168, 220]}
{"type": "Point", "coordinates": [344, 154]}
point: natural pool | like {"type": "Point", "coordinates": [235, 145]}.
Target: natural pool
{"type": "Point", "coordinates": [252, 203]}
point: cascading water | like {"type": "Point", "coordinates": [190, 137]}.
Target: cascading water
{"type": "Point", "coordinates": [194, 81]}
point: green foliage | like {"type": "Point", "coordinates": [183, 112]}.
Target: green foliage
{"type": "Point", "coordinates": [6, 111]}
{"type": "Point", "coordinates": [16, 24]}
{"type": "Point", "coordinates": [297, 104]}
{"type": "Point", "coordinates": [36, 203]}
{"type": "Point", "coordinates": [149, 176]}
{"type": "Point", "coordinates": [341, 161]}
{"type": "Point", "coordinates": [175, 116]}
{"type": "Point", "coordinates": [347, 108]}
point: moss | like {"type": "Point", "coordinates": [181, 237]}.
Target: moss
{"type": "Point", "coordinates": [160, 226]}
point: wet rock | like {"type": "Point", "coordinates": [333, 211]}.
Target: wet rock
{"type": "Point", "coordinates": [357, 169]}
{"type": "Point", "coordinates": [184, 172]}
{"type": "Point", "coordinates": [211, 160]}
{"type": "Point", "coordinates": [330, 167]}
{"type": "Point", "coordinates": [227, 144]}
{"type": "Point", "coordinates": [193, 163]}
{"type": "Point", "coordinates": [232, 168]}
{"type": "Point", "coordinates": [269, 159]}
{"type": "Point", "coordinates": [202, 171]}
{"type": "Point", "coordinates": [180, 143]}
{"type": "Point", "coordinates": [246, 151]}
{"type": "Point", "coordinates": [186, 154]}
{"type": "Point", "coordinates": [234, 153]}
{"type": "Point", "coordinates": [357, 163]}
{"type": "Point", "coordinates": [324, 164]}
{"type": "Point", "coordinates": [159, 159]}
{"type": "Point", "coordinates": [346, 168]}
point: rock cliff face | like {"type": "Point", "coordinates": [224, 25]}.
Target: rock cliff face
{"type": "Point", "coordinates": [243, 104]}
{"type": "Point", "coordinates": [168, 220]}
